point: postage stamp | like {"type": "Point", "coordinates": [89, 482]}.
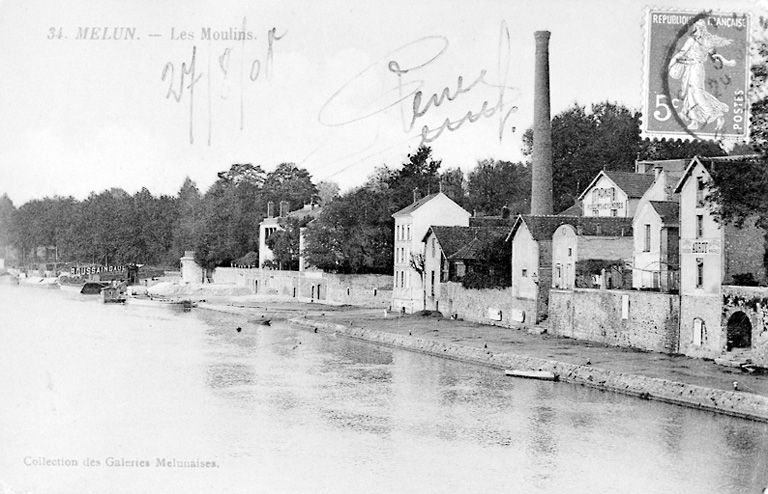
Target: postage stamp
{"type": "Point", "coordinates": [696, 76]}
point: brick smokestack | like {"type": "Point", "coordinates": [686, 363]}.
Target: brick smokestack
{"type": "Point", "coordinates": [541, 174]}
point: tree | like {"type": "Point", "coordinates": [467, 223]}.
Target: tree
{"type": "Point", "coordinates": [186, 231]}
{"type": "Point", "coordinates": [285, 244]}
{"type": "Point", "coordinates": [327, 192]}
{"type": "Point", "coordinates": [418, 264]}
{"type": "Point", "coordinates": [452, 184]}
{"type": "Point", "coordinates": [420, 173]}
{"type": "Point", "coordinates": [353, 234]}
{"type": "Point", "coordinates": [494, 184]}
{"type": "Point", "coordinates": [7, 230]}
{"type": "Point", "coordinates": [290, 183]}
{"type": "Point", "coordinates": [232, 209]}
{"type": "Point", "coordinates": [606, 137]}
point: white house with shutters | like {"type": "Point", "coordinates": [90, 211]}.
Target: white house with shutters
{"type": "Point", "coordinates": [411, 225]}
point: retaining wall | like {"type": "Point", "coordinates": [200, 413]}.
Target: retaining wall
{"type": "Point", "coordinates": [738, 404]}
{"type": "Point", "coordinates": [651, 322]}
{"type": "Point", "coordinates": [369, 290]}
{"type": "Point", "coordinates": [474, 305]}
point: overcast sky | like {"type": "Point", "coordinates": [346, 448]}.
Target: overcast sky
{"type": "Point", "coordinates": [86, 115]}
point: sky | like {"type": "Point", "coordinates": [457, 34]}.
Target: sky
{"type": "Point", "coordinates": [328, 85]}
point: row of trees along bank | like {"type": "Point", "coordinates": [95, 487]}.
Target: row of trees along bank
{"type": "Point", "coordinates": [354, 231]}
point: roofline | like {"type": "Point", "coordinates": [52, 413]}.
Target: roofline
{"type": "Point", "coordinates": [602, 172]}
{"type": "Point", "coordinates": [518, 220]}
{"type": "Point", "coordinates": [687, 173]}
{"type": "Point", "coordinates": [434, 195]}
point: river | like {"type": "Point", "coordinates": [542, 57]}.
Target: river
{"type": "Point", "coordinates": [104, 398]}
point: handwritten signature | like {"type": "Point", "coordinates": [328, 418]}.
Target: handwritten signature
{"type": "Point", "coordinates": [408, 90]}
{"type": "Point", "coordinates": [249, 70]}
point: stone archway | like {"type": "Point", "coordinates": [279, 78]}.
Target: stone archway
{"type": "Point", "coordinates": [739, 331]}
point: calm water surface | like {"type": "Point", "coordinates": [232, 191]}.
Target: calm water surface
{"type": "Point", "coordinates": [284, 410]}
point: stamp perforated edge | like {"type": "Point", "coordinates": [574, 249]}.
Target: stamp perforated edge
{"type": "Point", "coordinates": [685, 135]}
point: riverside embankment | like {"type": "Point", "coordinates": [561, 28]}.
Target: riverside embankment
{"type": "Point", "coordinates": [673, 379]}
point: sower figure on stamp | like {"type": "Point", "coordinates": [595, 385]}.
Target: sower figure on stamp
{"type": "Point", "coordinates": [699, 106]}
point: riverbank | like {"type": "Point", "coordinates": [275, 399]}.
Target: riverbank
{"type": "Point", "coordinates": [673, 379]}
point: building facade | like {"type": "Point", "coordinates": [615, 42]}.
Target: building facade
{"type": "Point", "coordinates": [411, 226]}
{"type": "Point", "coordinates": [711, 255]}
{"type": "Point", "coordinates": [656, 259]}
{"type": "Point", "coordinates": [614, 194]}
{"type": "Point", "coordinates": [591, 239]}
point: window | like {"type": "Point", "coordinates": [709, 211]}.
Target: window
{"type": "Point", "coordinates": [525, 273]}
{"type": "Point", "coordinates": [699, 272]}
{"type": "Point", "coordinates": [700, 192]}
{"type": "Point", "coordinates": [433, 247]}
{"type": "Point", "coordinates": [614, 212]}
{"type": "Point", "coordinates": [397, 233]}
{"type": "Point", "coordinates": [699, 225]}
{"type": "Point", "coordinates": [699, 331]}
{"type": "Point", "coordinates": [570, 252]}
{"type": "Point", "coordinates": [409, 231]}
{"type": "Point", "coordinates": [432, 283]}
{"type": "Point", "coordinates": [559, 272]}
{"type": "Point", "coordinates": [647, 242]}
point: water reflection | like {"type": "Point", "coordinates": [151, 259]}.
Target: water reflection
{"type": "Point", "coordinates": [285, 410]}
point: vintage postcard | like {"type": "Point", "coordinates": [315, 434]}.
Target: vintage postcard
{"type": "Point", "coordinates": [383, 246]}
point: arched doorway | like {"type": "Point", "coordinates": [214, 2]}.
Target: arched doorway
{"type": "Point", "coordinates": [739, 331]}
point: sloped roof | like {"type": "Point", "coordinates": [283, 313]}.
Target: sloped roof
{"type": "Point", "coordinates": [474, 248]}
{"type": "Point", "coordinates": [544, 226]}
{"type": "Point", "coordinates": [633, 184]}
{"type": "Point", "coordinates": [452, 238]}
{"type": "Point", "coordinates": [707, 163]}
{"type": "Point", "coordinates": [541, 226]}
{"type": "Point", "coordinates": [575, 210]}
{"type": "Point", "coordinates": [668, 211]}
{"type": "Point", "coordinates": [603, 226]}
{"type": "Point", "coordinates": [671, 166]}
{"type": "Point", "coordinates": [491, 221]}
{"type": "Point", "coordinates": [416, 205]}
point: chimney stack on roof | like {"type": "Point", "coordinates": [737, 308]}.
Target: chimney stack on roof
{"type": "Point", "coordinates": [541, 179]}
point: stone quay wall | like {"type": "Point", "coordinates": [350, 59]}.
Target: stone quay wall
{"type": "Point", "coordinates": [625, 318]}
{"type": "Point", "coordinates": [368, 290]}
{"type": "Point", "coordinates": [737, 404]}
{"type": "Point", "coordinates": [498, 307]}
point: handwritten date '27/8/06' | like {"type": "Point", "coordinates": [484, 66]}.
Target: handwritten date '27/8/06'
{"type": "Point", "coordinates": [232, 69]}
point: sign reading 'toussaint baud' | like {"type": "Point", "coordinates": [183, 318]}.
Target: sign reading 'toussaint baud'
{"type": "Point", "coordinates": [696, 75]}
{"type": "Point", "coordinates": [86, 270]}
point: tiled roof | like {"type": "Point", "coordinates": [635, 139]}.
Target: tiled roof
{"type": "Point", "coordinates": [603, 226]}
{"type": "Point", "coordinates": [541, 226]}
{"type": "Point", "coordinates": [633, 184]}
{"type": "Point", "coordinates": [490, 221]}
{"type": "Point", "coordinates": [474, 248]}
{"type": "Point", "coordinates": [544, 226]}
{"type": "Point", "coordinates": [668, 211]}
{"type": "Point", "coordinates": [671, 166]}
{"type": "Point", "coordinates": [575, 210]}
{"type": "Point", "coordinates": [453, 238]}
{"type": "Point", "coordinates": [416, 205]}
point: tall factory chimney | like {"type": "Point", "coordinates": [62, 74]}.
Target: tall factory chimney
{"type": "Point", "coordinates": [541, 174]}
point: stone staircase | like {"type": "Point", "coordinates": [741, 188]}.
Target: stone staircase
{"type": "Point", "coordinates": [739, 358]}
